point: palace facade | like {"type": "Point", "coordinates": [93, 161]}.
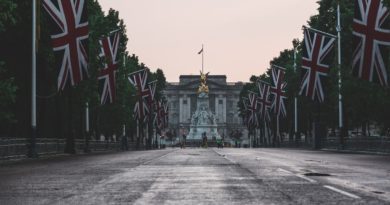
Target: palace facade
{"type": "Point", "coordinates": [223, 96]}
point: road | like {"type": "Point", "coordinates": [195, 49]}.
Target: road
{"type": "Point", "coordinates": [200, 176]}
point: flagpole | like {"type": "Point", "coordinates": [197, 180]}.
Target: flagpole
{"type": "Point", "coordinates": [32, 152]}
{"type": "Point", "coordinates": [86, 146]}
{"type": "Point", "coordinates": [295, 98]}
{"type": "Point", "coordinates": [278, 137]}
{"type": "Point", "coordinates": [138, 138]}
{"type": "Point", "coordinates": [341, 124]}
{"type": "Point", "coordinates": [124, 73]}
{"type": "Point", "coordinates": [202, 58]}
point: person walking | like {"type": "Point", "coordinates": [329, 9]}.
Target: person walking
{"type": "Point", "coordinates": [184, 141]}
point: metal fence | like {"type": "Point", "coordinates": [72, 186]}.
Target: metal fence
{"type": "Point", "coordinates": [359, 143]}
{"type": "Point", "coordinates": [13, 148]}
{"type": "Point", "coordinates": [378, 144]}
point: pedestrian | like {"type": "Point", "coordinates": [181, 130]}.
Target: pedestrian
{"type": "Point", "coordinates": [222, 141]}
{"type": "Point", "coordinates": [184, 140]}
{"type": "Point", "coordinates": [219, 143]}
{"type": "Point", "coordinates": [388, 132]}
{"type": "Point", "coordinates": [205, 138]}
{"type": "Point", "coordinates": [124, 143]}
{"type": "Point", "coordinates": [203, 141]}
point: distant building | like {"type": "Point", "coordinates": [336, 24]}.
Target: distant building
{"type": "Point", "coordinates": [224, 96]}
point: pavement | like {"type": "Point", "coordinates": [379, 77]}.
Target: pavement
{"type": "Point", "coordinates": [200, 176]}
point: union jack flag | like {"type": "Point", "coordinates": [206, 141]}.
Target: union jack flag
{"type": "Point", "coordinates": [109, 50]}
{"type": "Point", "coordinates": [152, 90]}
{"type": "Point", "coordinates": [141, 110]}
{"type": "Point", "coordinates": [264, 101]}
{"type": "Point", "coordinates": [159, 121]}
{"type": "Point", "coordinates": [315, 63]}
{"type": "Point", "coordinates": [252, 110]}
{"type": "Point", "coordinates": [69, 39]}
{"type": "Point", "coordinates": [370, 38]}
{"type": "Point", "coordinates": [278, 91]}
{"type": "Point", "coordinates": [165, 114]}
{"type": "Point", "coordinates": [138, 79]}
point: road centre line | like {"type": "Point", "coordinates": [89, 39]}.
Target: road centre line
{"type": "Point", "coordinates": [342, 192]}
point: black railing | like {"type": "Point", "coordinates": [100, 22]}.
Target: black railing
{"type": "Point", "coordinates": [13, 148]}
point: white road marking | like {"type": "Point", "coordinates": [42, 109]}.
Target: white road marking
{"type": "Point", "coordinates": [297, 175]}
{"type": "Point", "coordinates": [164, 155]}
{"type": "Point", "coordinates": [224, 156]}
{"type": "Point", "coordinates": [285, 171]}
{"type": "Point", "coordinates": [342, 192]}
{"type": "Point", "coordinates": [306, 178]}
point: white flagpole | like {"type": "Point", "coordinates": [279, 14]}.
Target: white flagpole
{"type": "Point", "coordinates": [295, 99]}
{"type": "Point", "coordinates": [147, 135]}
{"type": "Point", "coordinates": [87, 117]}
{"type": "Point", "coordinates": [86, 142]}
{"type": "Point", "coordinates": [277, 129]}
{"type": "Point", "coordinates": [338, 28]}
{"type": "Point", "coordinates": [137, 129]}
{"type": "Point", "coordinates": [250, 139]}
{"type": "Point", "coordinates": [202, 58]}
{"type": "Point", "coordinates": [124, 68]}
{"type": "Point", "coordinates": [32, 151]}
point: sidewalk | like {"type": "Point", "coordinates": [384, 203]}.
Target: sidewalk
{"type": "Point", "coordinates": [348, 151]}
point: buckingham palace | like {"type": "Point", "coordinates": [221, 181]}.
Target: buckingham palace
{"type": "Point", "coordinates": [223, 97]}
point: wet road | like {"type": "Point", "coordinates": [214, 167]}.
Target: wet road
{"type": "Point", "coordinates": [200, 176]}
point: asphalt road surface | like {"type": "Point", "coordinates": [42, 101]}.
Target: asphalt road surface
{"type": "Point", "coordinates": [200, 176]}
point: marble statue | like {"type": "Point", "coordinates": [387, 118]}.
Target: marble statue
{"type": "Point", "coordinates": [203, 120]}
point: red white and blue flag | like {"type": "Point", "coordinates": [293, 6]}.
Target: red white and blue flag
{"type": "Point", "coordinates": [371, 36]}
{"type": "Point", "coordinates": [159, 121]}
{"type": "Point", "coordinates": [165, 114]}
{"type": "Point", "coordinates": [141, 110]}
{"type": "Point", "coordinates": [138, 79]}
{"type": "Point", "coordinates": [278, 91]}
{"type": "Point", "coordinates": [315, 63]}
{"type": "Point", "coordinates": [109, 50]}
{"type": "Point", "coordinates": [69, 39]}
{"type": "Point", "coordinates": [264, 101]}
{"type": "Point", "coordinates": [152, 91]}
{"type": "Point", "coordinates": [252, 110]}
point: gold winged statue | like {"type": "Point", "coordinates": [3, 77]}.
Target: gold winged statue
{"type": "Point", "coordinates": [203, 86]}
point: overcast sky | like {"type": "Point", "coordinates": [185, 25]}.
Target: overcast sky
{"type": "Point", "coordinates": [240, 36]}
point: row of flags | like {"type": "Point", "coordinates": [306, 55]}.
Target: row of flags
{"type": "Point", "coordinates": [147, 107]}
{"type": "Point", "coordinates": [69, 37]}
{"type": "Point", "coordinates": [269, 99]}
{"type": "Point", "coordinates": [371, 36]}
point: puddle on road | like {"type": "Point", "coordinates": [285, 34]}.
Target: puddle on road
{"type": "Point", "coordinates": [193, 154]}
{"type": "Point", "coordinates": [315, 174]}
{"type": "Point", "coordinates": [312, 160]}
